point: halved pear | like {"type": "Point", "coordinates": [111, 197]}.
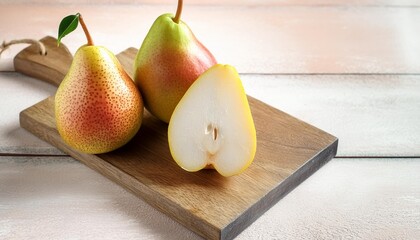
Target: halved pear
{"type": "Point", "coordinates": [212, 124]}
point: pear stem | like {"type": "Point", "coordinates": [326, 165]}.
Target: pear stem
{"type": "Point", "coordinates": [178, 12]}
{"type": "Point", "coordinates": [88, 37]}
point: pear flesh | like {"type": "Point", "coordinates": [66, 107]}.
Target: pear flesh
{"type": "Point", "coordinates": [213, 125]}
{"type": "Point", "coordinates": [169, 60]}
{"type": "Point", "coordinates": [97, 106]}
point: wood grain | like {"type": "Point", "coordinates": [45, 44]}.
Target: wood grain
{"type": "Point", "coordinates": [372, 115]}
{"type": "Point", "coordinates": [215, 207]}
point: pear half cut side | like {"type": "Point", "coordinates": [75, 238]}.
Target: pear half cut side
{"type": "Point", "coordinates": [213, 124]}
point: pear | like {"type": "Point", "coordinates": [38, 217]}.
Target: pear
{"type": "Point", "coordinates": [169, 60]}
{"type": "Point", "coordinates": [212, 125]}
{"type": "Point", "coordinates": [98, 108]}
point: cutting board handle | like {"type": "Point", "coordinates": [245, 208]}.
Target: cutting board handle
{"type": "Point", "coordinates": [54, 66]}
{"type": "Point", "coordinates": [51, 67]}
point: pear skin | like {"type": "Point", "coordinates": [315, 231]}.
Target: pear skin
{"type": "Point", "coordinates": [97, 106]}
{"type": "Point", "coordinates": [168, 62]}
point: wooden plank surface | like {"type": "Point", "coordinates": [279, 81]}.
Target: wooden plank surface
{"type": "Point", "coordinates": [346, 199]}
{"type": "Point", "coordinates": [372, 115]}
{"type": "Point", "coordinates": [18, 92]}
{"type": "Point", "coordinates": [379, 105]}
{"type": "Point", "coordinates": [355, 198]}
{"type": "Point", "coordinates": [279, 39]}
{"type": "Point", "coordinates": [383, 105]}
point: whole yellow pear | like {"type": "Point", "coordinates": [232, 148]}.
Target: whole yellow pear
{"type": "Point", "coordinates": [97, 106]}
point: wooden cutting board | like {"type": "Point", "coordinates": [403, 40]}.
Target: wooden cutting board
{"type": "Point", "coordinates": [215, 207]}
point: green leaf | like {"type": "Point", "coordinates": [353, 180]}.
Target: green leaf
{"type": "Point", "coordinates": [67, 25]}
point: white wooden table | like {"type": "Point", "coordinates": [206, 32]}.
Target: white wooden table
{"type": "Point", "coordinates": [351, 68]}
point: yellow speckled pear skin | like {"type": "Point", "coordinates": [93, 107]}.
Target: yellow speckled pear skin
{"type": "Point", "coordinates": [169, 60]}
{"type": "Point", "coordinates": [98, 108]}
{"type": "Point", "coordinates": [212, 125]}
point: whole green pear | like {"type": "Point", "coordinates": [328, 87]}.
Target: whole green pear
{"type": "Point", "coordinates": [168, 62]}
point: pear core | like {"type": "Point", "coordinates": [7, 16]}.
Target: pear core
{"type": "Point", "coordinates": [212, 141]}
